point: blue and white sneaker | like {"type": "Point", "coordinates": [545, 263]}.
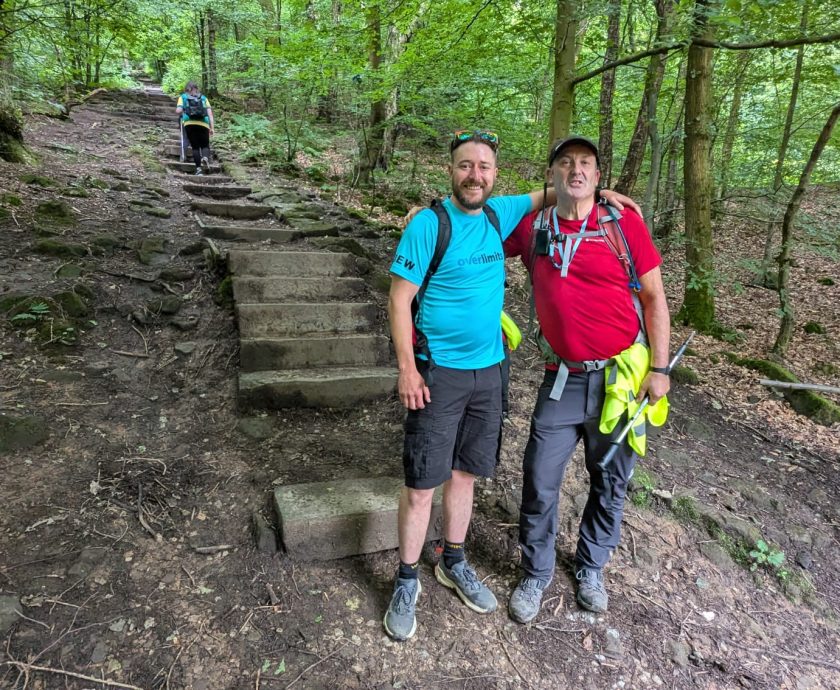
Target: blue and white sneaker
{"type": "Point", "coordinates": [400, 622]}
{"type": "Point", "coordinates": [463, 579]}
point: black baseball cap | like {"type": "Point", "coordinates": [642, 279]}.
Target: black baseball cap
{"type": "Point", "coordinates": [560, 144]}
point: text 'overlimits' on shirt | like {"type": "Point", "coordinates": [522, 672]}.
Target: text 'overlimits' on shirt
{"type": "Point", "coordinates": [482, 258]}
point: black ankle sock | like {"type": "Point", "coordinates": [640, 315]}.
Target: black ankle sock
{"type": "Point", "coordinates": [452, 553]}
{"type": "Point", "coordinates": [409, 571]}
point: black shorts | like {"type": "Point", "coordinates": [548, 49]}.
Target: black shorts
{"type": "Point", "coordinates": [461, 428]}
{"type": "Point", "coordinates": [198, 136]}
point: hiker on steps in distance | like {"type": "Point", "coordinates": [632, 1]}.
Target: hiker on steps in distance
{"type": "Point", "coordinates": [197, 121]}
{"type": "Point", "coordinates": [599, 299]}
{"type": "Point", "coordinates": [454, 407]}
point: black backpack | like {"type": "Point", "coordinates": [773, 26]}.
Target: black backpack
{"type": "Point", "coordinates": [444, 235]}
{"type": "Point", "coordinates": [194, 107]}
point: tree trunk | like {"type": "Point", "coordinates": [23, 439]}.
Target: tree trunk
{"type": "Point", "coordinates": [653, 82]}
{"type": "Point", "coordinates": [669, 215]}
{"type": "Point", "coordinates": [731, 130]}
{"type": "Point", "coordinates": [565, 52]}
{"type": "Point", "coordinates": [786, 326]}
{"type": "Point", "coordinates": [648, 205]}
{"type": "Point", "coordinates": [373, 135]}
{"type": "Point", "coordinates": [698, 307]}
{"type": "Point", "coordinates": [212, 83]}
{"type": "Point", "coordinates": [766, 275]}
{"type": "Point", "coordinates": [605, 140]}
{"type": "Point", "coordinates": [199, 29]}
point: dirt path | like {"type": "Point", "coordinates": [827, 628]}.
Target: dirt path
{"type": "Point", "coordinates": [126, 552]}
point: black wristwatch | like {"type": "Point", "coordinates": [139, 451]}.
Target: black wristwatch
{"type": "Point", "coordinates": [661, 370]}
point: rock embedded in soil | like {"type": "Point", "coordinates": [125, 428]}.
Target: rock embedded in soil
{"type": "Point", "coordinates": [57, 212]}
{"type": "Point", "coordinates": [18, 432]}
{"type": "Point", "coordinates": [9, 610]}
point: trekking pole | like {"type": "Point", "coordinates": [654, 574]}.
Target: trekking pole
{"type": "Point", "coordinates": [615, 444]}
{"type": "Point", "coordinates": [183, 146]}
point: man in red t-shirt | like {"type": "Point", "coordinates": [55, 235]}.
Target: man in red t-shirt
{"type": "Point", "coordinates": [587, 315]}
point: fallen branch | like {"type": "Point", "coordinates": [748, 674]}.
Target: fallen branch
{"type": "Point", "coordinates": [129, 354]}
{"type": "Point", "coordinates": [26, 669]}
{"type": "Point", "coordinates": [790, 657]}
{"type": "Point", "coordinates": [799, 386]}
{"type": "Point", "coordinates": [213, 549]}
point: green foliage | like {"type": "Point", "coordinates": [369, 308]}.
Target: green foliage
{"type": "Point", "coordinates": [34, 313]}
{"type": "Point", "coordinates": [684, 509]}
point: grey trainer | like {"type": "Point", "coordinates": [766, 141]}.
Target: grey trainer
{"type": "Point", "coordinates": [524, 604]}
{"type": "Point", "coordinates": [592, 594]}
{"type": "Point", "coordinates": [463, 579]}
{"type": "Point", "coordinates": [400, 621]}
{"type": "Point", "coordinates": [205, 165]}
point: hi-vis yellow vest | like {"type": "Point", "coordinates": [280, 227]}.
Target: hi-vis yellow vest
{"type": "Point", "coordinates": [623, 380]}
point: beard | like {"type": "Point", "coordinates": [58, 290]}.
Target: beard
{"type": "Point", "coordinates": [468, 204]}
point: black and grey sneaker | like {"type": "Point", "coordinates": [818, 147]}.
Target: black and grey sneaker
{"type": "Point", "coordinates": [400, 622]}
{"type": "Point", "coordinates": [524, 604]}
{"type": "Point", "coordinates": [205, 165]}
{"type": "Point", "coordinates": [592, 594]}
{"type": "Point", "coordinates": [199, 171]}
{"type": "Point", "coordinates": [463, 579]}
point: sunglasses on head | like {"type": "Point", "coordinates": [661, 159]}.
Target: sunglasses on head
{"type": "Point", "coordinates": [462, 136]}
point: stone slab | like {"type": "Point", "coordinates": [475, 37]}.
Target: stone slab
{"type": "Point", "coordinates": [245, 233]}
{"type": "Point", "coordinates": [231, 210]}
{"type": "Point", "coordinates": [265, 354]}
{"type": "Point", "coordinates": [298, 289]}
{"type": "Point", "coordinates": [303, 318]}
{"type": "Point", "coordinates": [190, 176]}
{"type": "Point", "coordinates": [336, 519]}
{"type": "Point", "coordinates": [334, 387]}
{"type": "Point", "coordinates": [190, 167]}
{"type": "Point", "coordinates": [292, 264]}
{"type": "Point", "coordinates": [216, 191]}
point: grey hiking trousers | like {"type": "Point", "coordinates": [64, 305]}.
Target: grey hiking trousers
{"type": "Point", "coordinates": [556, 428]}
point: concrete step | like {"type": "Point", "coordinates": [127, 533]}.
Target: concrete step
{"type": "Point", "coordinates": [304, 318]}
{"type": "Point", "coordinates": [290, 264]}
{"type": "Point", "coordinates": [339, 387]}
{"type": "Point", "coordinates": [174, 151]}
{"type": "Point", "coordinates": [189, 167]}
{"type": "Point", "coordinates": [345, 517]}
{"type": "Point", "coordinates": [265, 354]}
{"type": "Point", "coordinates": [229, 210]}
{"type": "Point", "coordinates": [285, 289]}
{"type": "Point", "coordinates": [215, 191]}
{"type": "Point", "coordinates": [247, 233]}
{"type": "Point", "coordinates": [205, 179]}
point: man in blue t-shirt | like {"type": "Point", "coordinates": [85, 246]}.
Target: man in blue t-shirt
{"type": "Point", "coordinates": [454, 418]}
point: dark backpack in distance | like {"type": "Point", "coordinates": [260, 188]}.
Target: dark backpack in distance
{"type": "Point", "coordinates": [194, 107]}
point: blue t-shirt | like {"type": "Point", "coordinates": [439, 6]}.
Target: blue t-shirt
{"type": "Point", "coordinates": [463, 302]}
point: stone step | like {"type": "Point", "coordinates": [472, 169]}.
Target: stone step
{"type": "Point", "coordinates": [304, 318]}
{"type": "Point", "coordinates": [206, 179]}
{"type": "Point", "coordinates": [338, 387]}
{"type": "Point", "coordinates": [290, 264]}
{"type": "Point", "coordinates": [216, 191]}
{"type": "Point", "coordinates": [265, 354]}
{"type": "Point", "coordinates": [230, 210]}
{"type": "Point", "coordinates": [189, 167]}
{"type": "Point", "coordinates": [247, 233]}
{"type": "Point", "coordinates": [344, 517]}
{"type": "Point", "coordinates": [349, 350]}
{"type": "Point", "coordinates": [174, 151]}
{"type": "Point", "coordinates": [285, 289]}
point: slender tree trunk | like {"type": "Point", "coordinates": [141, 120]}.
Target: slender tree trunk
{"type": "Point", "coordinates": [669, 216]}
{"type": "Point", "coordinates": [565, 51]}
{"type": "Point", "coordinates": [373, 135]}
{"type": "Point", "coordinates": [767, 276]}
{"type": "Point", "coordinates": [212, 83]}
{"type": "Point", "coordinates": [698, 307]}
{"type": "Point", "coordinates": [653, 82]}
{"type": "Point", "coordinates": [732, 121]}
{"type": "Point", "coordinates": [786, 326]}
{"type": "Point", "coordinates": [648, 205]}
{"type": "Point", "coordinates": [605, 140]}
{"type": "Point", "coordinates": [199, 29]}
